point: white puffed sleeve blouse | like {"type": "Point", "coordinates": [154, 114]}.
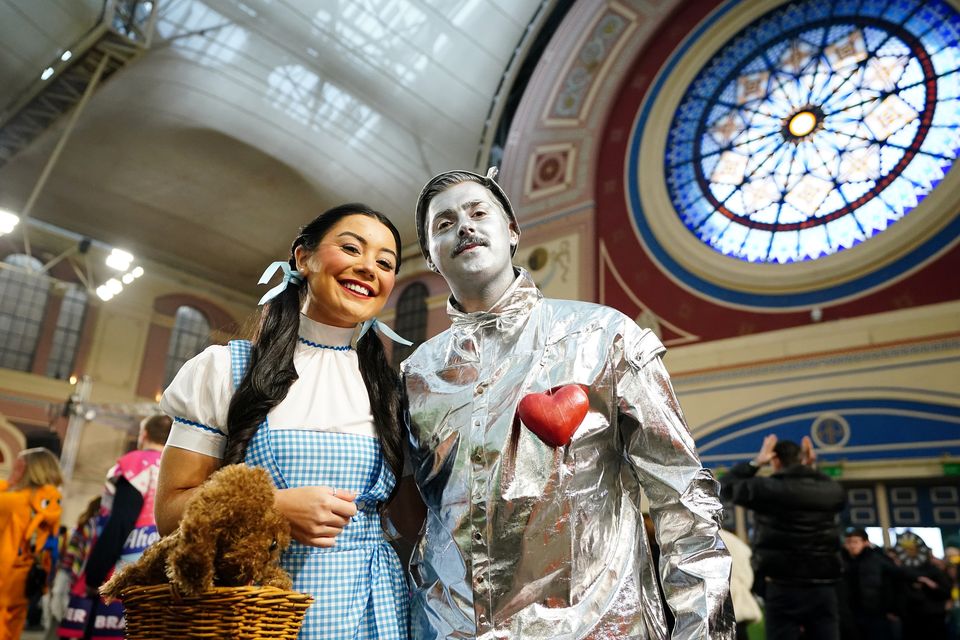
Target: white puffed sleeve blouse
{"type": "Point", "coordinates": [329, 395]}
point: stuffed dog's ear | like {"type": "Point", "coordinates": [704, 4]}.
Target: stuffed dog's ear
{"type": "Point", "coordinates": [190, 565]}
{"type": "Point", "coordinates": [148, 570]}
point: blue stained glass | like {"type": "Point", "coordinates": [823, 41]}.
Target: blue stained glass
{"type": "Point", "coordinates": [732, 239]}
{"type": "Point", "coordinates": [757, 246]}
{"type": "Point", "coordinates": [889, 157]}
{"type": "Point", "coordinates": [709, 145]}
{"type": "Point", "coordinates": [684, 131]}
{"type": "Point", "coordinates": [945, 33]}
{"type": "Point", "coordinates": [722, 191]}
{"type": "Point", "coordinates": [690, 109]}
{"type": "Point", "coordinates": [916, 97]}
{"type": "Point", "coordinates": [679, 153]}
{"type": "Point", "coordinates": [766, 30]}
{"type": "Point", "coordinates": [818, 10]}
{"type": "Point", "coordinates": [717, 112]}
{"type": "Point", "coordinates": [898, 11]}
{"type": "Point", "coordinates": [906, 135]}
{"type": "Point", "coordinates": [712, 226]}
{"type": "Point", "coordinates": [697, 212]}
{"type": "Point", "coordinates": [845, 233]}
{"type": "Point", "coordinates": [762, 154]}
{"type": "Point", "coordinates": [946, 61]}
{"type": "Point", "coordinates": [941, 144]}
{"type": "Point", "coordinates": [812, 243]}
{"type": "Point", "coordinates": [920, 22]}
{"type": "Point", "coordinates": [924, 171]}
{"type": "Point", "coordinates": [767, 215]}
{"type": "Point", "coordinates": [776, 49]}
{"type": "Point", "coordinates": [709, 163]}
{"type": "Point", "coordinates": [783, 247]}
{"type": "Point", "coordinates": [850, 191]}
{"type": "Point", "coordinates": [792, 18]}
{"type": "Point", "coordinates": [812, 38]}
{"type": "Point", "coordinates": [900, 195]}
{"type": "Point", "coordinates": [823, 111]}
{"type": "Point", "coordinates": [846, 7]}
{"type": "Point", "coordinates": [875, 38]}
{"type": "Point", "coordinates": [946, 114]}
{"type": "Point", "coordinates": [835, 200]}
{"type": "Point", "coordinates": [866, 9]}
{"type": "Point", "coordinates": [758, 65]}
{"type": "Point", "coordinates": [838, 33]}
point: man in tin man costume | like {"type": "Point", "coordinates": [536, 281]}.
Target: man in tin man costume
{"type": "Point", "coordinates": [533, 425]}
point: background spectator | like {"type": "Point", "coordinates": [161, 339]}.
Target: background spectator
{"type": "Point", "coordinates": [797, 540]}
{"type": "Point", "coordinates": [29, 514]}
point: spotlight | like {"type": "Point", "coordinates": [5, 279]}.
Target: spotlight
{"type": "Point", "coordinates": [113, 286]}
{"type": "Point", "coordinates": [7, 221]}
{"type": "Point", "coordinates": [46, 73]}
{"type": "Point", "coordinates": [119, 260]}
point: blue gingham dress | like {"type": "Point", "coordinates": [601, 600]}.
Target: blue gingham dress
{"type": "Point", "coordinates": [358, 586]}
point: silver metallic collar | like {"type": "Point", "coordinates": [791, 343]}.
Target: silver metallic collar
{"type": "Point", "coordinates": [507, 313]}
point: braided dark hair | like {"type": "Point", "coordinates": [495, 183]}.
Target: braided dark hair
{"type": "Point", "coordinates": [271, 370]}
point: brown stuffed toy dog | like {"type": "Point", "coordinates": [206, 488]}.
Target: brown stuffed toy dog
{"type": "Point", "coordinates": [230, 535]}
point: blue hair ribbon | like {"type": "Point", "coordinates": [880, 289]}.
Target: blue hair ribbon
{"type": "Point", "coordinates": [289, 275]}
{"type": "Point", "coordinates": [383, 330]}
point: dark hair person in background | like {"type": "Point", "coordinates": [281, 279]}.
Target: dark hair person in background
{"type": "Point", "coordinates": [321, 417]}
{"type": "Point", "coordinates": [797, 542]}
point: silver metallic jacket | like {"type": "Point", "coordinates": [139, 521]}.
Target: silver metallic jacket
{"type": "Point", "coordinates": [523, 540]}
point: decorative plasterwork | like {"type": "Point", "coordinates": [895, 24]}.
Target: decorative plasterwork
{"type": "Point", "coordinates": [549, 170]}
{"type": "Point", "coordinates": [573, 96]}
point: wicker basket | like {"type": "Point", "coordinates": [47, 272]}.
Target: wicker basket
{"type": "Point", "coordinates": [159, 613]}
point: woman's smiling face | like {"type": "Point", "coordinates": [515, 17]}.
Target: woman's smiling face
{"type": "Point", "coordinates": [351, 273]}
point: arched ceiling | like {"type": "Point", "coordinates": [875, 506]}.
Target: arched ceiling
{"type": "Point", "coordinates": [245, 119]}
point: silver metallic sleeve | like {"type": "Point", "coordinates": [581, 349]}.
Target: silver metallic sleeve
{"type": "Point", "coordinates": [694, 563]}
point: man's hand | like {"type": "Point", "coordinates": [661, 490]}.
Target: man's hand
{"type": "Point", "coordinates": [927, 582]}
{"type": "Point", "coordinates": [807, 455]}
{"type": "Point", "coordinates": [766, 451]}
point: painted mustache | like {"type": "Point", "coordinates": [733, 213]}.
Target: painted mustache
{"type": "Point", "coordinates": [468, 241]}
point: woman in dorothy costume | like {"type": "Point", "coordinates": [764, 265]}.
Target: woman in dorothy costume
{"type": "Point", "coordinates": [322, 416]}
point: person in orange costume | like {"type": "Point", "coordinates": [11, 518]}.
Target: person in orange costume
{"type": "Point", "coordinates": [29, 513]}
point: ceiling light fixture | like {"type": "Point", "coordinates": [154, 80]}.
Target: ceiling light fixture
{"type": "Point", "coordinates": [8, 221]}
{"type": "Point", "coordinates": [119, 260]}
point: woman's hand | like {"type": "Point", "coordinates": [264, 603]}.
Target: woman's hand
{"type": "Point", "coordinates": [317, 515]}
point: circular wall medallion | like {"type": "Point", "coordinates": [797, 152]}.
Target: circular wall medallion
{"type": "Point", "coordinates": [830, 431]}
{"type": "Point", "coordinates": [795, 135]}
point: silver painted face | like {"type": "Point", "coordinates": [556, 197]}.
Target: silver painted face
{"type": "Point", "coordinates": [469, 236]}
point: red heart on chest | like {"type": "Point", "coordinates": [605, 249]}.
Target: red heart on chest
{"type": "Point", "coordinates": [555, 415]}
